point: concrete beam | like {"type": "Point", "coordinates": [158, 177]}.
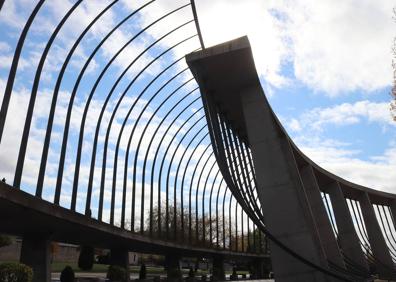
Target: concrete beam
{"type": "Point", "coordinates": [172, 267]}
{"type": "Point", "coordinates": [348, 239]}
{"type": "Point", "coordinates": [218, 269]}
{"type": "Point", "coordinates": [36, 253]}
{"type": "Point", "coordinates": [281, 192]}
{"type": "Point", "coordinates": [120, 257]}
{"type": "Point", "coordinates": [326, 234]}
{"type": "Point", "coordinates": [384, 263]}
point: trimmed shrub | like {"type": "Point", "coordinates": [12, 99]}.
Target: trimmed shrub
{"type": "Point", "coordinates": [117, 273]}
{"type": "Point", "coordinates": [191, 273]}
{"type": "Point", "coordinates": [142, 272]}
{"type": "Point", "coordinates": [5, 240]}
{"type": "Point", "coordinates": [174, 274]}
{"type": "Point", "coordinates": [67, 274]}
{"type": "Point", "coordinates": [86, 258]}
{"type": "Point", "coordinates": [15, 272]}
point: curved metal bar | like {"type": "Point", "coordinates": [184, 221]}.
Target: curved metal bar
{"type": "Point", "coordinates": [104, 162]}
{"type": "Point", "coordinates": [169, 167]}
{"type": "Point", "coordinates": [183, 179]}
{"type": "Point", "coordinates": [210, 208]}
{"type": "Point", "coordinates": [13, 71]}
{"type": "Point", "coordinates": [236, 226]}
{"type": "Point", "coordinates": [196, 197]}
{"type": "Point", "coordinates": [191, 184]}
{"type": "Point", "coordinates": [242, 242]}
{"type": "Point", "coordinates": [177, 171]}
{"type": "Point", "coordinates": [229, 222]}
{"type": "Point", "coordinates": [176, 178]}
{"type": "Point", "coordinates": [32, 100]}
{"type": "Point", "coordinates": [156, 155]}
{"type": "Point", "coordinates": [363, 235]}
{"type": "Point", "coordinates": [194, 10]}
{"type": "Point", "coordinates": [1, 6]}
{"type": "Point", "coordinates": [90, 96]}
{"type": "Point", "coordinates": [203, 203]}
{"type": "Point", "coordinates": [64, 144]}
{"type": "Point", "coordinates": [144, 131]}
{"type": "Point", "coordinates": [217, 214]}
{"type": "Point", "coordinates": [224, 222]}
{"type": "Point", "coordinates": [93, 158]}
{"type": "Point", "coordinates": [133, 130]}
{"type": "Point", "coordinates": [389, 245]}
{"type": "Point", "coordinates": [388, 224]}
{"type": "Point", "coordinates": [161, 167]}
{"type": "Point", "coordinates": [157, 151]}
{"type": "Point", "coordinates": [53, 106]}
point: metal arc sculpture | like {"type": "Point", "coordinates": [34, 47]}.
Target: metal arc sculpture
{"type": "Point", "coordinates": [111, 137]}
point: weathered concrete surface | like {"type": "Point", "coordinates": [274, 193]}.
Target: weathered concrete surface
{"type": "Point", "coordinates": [326, 235]}
{"type": "Point", "coordinates": [349, 241]}
{"type": "Point", "coordinates": [36, 253]}
{"type": "Point", "coordinates": [22, 213]}
{"type": "Point", "coordinates": [378, 245]}
{"type": "Point", "coordinates": [226, 74]}
{"type": "Point", "coordinates": [120, 257]}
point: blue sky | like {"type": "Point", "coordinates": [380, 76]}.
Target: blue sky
{"type": "Point", "coordinates": [325, 68]}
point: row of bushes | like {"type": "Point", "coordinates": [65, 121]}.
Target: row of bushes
{"type": "Point", "coordinates": [15, 272]}
{"type": "Point", "coordinates": [18, 272]}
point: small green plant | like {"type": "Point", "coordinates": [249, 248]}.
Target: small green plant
{"type": "Point", "coordinates": [86, 258]}
{"type": "Point", "coordinates": [67, 274]}
{"type": "Point", "coordinates": [191, 273]}
{"type": "Point", "coordinates": [174, 274]}
{"type": "Point", "coordinates": [117, 273]}
{"type": "Point", "coordinates": [15, 272]}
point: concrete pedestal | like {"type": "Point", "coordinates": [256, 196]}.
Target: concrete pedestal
{"type": "Point", "coordinates": [172, 267]}
{"type": "Point", "coordinates": [120, 257]}
{"type": "Point", "coordinates": [36, 253]}
{"type": "Point", "coordinates": [218, 269]}
{"type": "Point", "coordinates": [378, 245]}
{"type": "Point", "coordinates": [259, 269]}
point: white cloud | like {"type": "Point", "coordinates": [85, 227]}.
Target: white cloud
{"type": "Point", "coordinates": [346, 114]}
{"type": "Point", "coordinates": [334, 47]}
{"type": "Point", "coordinates": [340, 47]}
{"type": "Point", "coordinates": [376, 172]}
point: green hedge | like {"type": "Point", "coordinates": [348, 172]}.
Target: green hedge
{"type": "Point", "coordinates": [116, 273]}
{"type": "Point", "coordinates": [15, 272]}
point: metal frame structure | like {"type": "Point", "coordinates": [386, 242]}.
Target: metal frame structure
{"type": "Point", "coordinates": [164, 127]}
{"type": "Point", "coordinates": [174, 162]}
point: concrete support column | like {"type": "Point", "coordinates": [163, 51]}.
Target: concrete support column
{"type": "Point", "coordinates": [36, 253]}
{"type": "Point", "coordinates": [348, 239]}
{"type": "Point", "coordinates": [172, 267]}
{"type": "Point", "coordinates": [218, 269]}
{"type": "Point", "coordinates": [258, 269]}
{"type": "Point", "coordinates": [281, 192]}
{"type": "Point", "coordinates": [326, 234]}
{"type": "Point", "coordinates": [120, 257]}
{"type": "Point", "coordinates": [378, 245]}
